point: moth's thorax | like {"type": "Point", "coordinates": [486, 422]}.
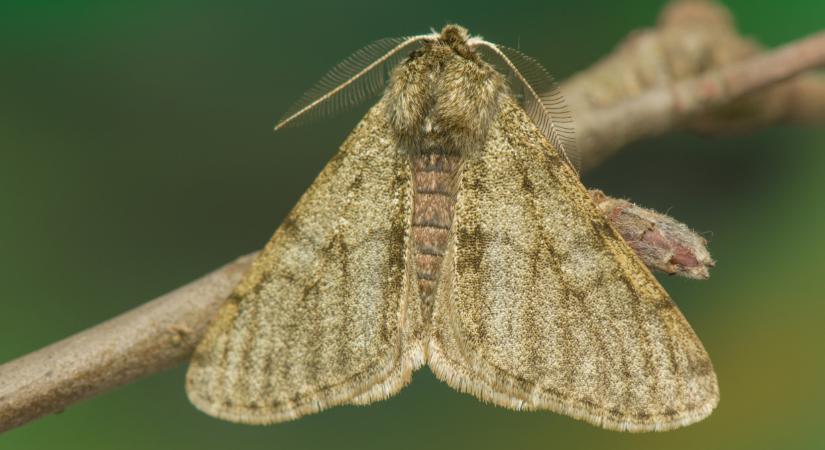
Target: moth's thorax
{"type": "Point", "coordinates": [440, 104]}
{"type": "Point", "coordinates": [444, 96]}
{"type": "Point", "coordinates": [435, 177]}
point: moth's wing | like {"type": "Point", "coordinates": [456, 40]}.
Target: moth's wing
{"type": "Point", "coordinates": [543, 306]}
{"type": "Point", "coordinates": [540, 97]}
{"type": "Point", "coordinates": [320, 320]}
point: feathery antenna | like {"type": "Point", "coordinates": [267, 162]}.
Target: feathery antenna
{"type": "Point", "coordinates": [540, 97]}
{"type": "Point", "coordinates": [352, 81]}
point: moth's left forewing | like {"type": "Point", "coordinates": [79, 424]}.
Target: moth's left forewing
{"type": "Point", "coordinates": [324, 315]}
{"type": "Point", "coordinates": [544, 306]}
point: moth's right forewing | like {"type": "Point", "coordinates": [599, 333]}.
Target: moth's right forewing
{"type": "Point", "coordinates": [544, 306]}
{"type": "Point", "coordinates": [540, 97]}
{"type": "Point", "coordinates": [321, 319]}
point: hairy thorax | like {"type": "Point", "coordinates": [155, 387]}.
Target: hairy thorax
{"type": "Point", "coordinates": [440, 104]}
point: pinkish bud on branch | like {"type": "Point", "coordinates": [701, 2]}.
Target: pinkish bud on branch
{"type": "Point", "coordinates": [663, 243]}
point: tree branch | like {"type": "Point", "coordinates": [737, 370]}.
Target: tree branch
{"type": "Point", "coordinates": [150, 338]}
{"type": "Point", "coordinates": [692, 72]}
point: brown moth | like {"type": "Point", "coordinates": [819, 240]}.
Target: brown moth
{"type": "Point", "coordinates": [450, 230]}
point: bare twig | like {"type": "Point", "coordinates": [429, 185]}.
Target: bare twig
{"type": "Point", "coordinates": [694, 72]}
{"type": "Point", "coordinates": [715, 81]}
{"type": "Point", "coordinates": [147, 339]}
{"type": "Point", "coordinates": [164, 331]}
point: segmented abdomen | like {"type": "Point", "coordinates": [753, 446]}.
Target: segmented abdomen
{"type": "Point", "coordinates": [435, 182]}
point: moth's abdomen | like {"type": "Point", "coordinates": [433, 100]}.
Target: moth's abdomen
{"type": "Point", "coordinates": [435, 185]}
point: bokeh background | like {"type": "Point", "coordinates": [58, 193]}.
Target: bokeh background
{"type": "Point", "coordinates": [136, 154]}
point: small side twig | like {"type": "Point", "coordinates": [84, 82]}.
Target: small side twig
{"type": "Point", "coordinates": [663, 243]}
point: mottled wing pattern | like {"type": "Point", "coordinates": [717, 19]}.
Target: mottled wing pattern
{"type": "Point", "coordinates": [543, 306]}
{"type": "Point", "coordinates": [320, 319]}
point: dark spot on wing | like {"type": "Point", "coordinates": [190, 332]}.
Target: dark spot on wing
{"type": "Point", "coordinates": [527, 185]}
{"type": "Point", "coordinates": [472, 245]}
{"type": "Point", "coordinates": [356, 183]}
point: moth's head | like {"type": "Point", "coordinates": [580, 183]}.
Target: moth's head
{"type": "Point", "coordinates": [444, 96]}
{"type": "Point", "coordinates": [456, 37]}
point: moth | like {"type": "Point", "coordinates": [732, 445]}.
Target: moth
{"type": "Point", "coordinates": [451, 229]}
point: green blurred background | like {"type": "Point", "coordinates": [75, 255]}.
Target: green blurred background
{"type": "Point", "coordinates": [136, 154]}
